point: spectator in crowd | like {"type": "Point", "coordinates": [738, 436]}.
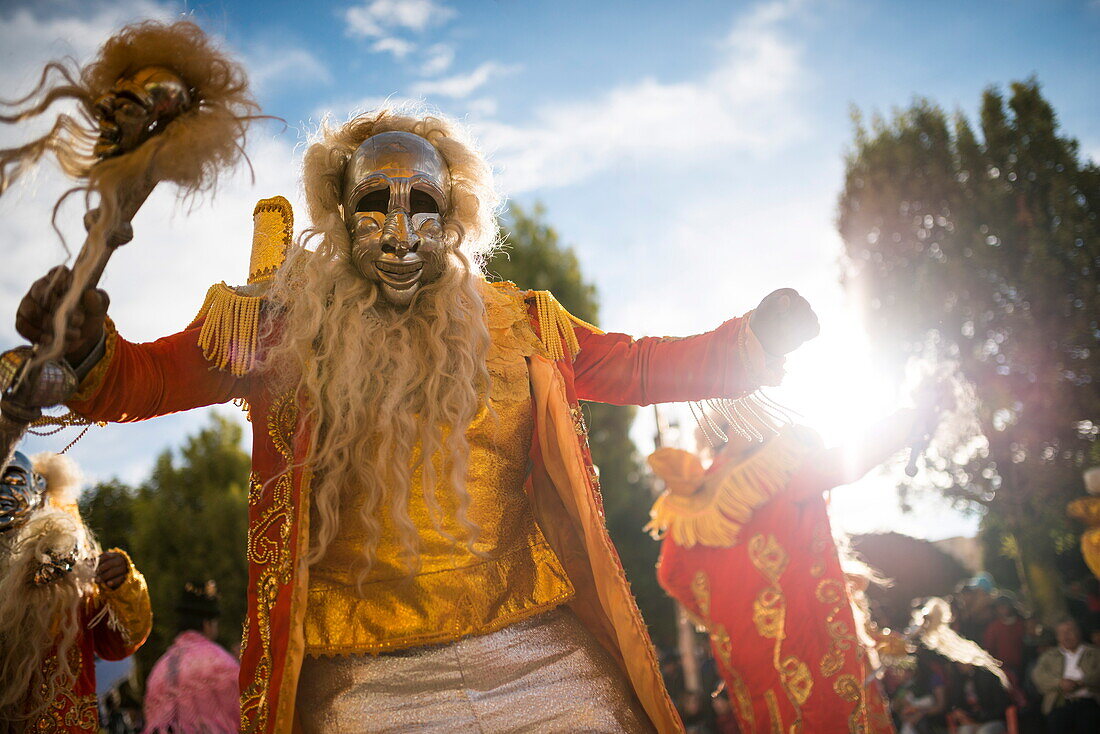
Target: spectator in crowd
{"type": "Point", "coordinates": [193, 688]}
{"type": "Point", "coordinates": [1004, 637]}
{"type": "Point", "coordinates": [920, 701]}
{"type": "Point", "coordinates": [977, 701]}
{"type": "Point", "coordinates": [1068, 677]}
{"type": "Point", "coordinates": [974, 607]}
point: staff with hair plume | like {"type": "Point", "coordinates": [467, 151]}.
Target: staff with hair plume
{"type": "Point", "coordinates": [158, 103]}
{"type": "Point", "coordinates": [63, 601]}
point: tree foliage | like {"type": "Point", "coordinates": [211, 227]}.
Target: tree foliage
{"type": "Point", "coordinates": [186, 523]}
{"type": "Point", "coordinates": [535, 258]}
{"type": "Point", "coordinates": [980, 248]}
{"type": "Point", "coordinates": [108, 509]}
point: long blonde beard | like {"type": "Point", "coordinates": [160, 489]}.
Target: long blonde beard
{"type": "Point", "coordinates": [39, 621]}
{"type": "Point", "coordinates": [374, 381]}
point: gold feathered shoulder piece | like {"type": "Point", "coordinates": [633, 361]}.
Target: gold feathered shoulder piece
{"type": "Point", "coordinates": [710, 507]}
{"type": "Point", "coordinates": [230, 315]}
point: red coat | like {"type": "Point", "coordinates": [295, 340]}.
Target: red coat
{"type": "Point", "coordinates": [114, 624]}
{"type": "Point", "coordinates": [139, 381]}
{"type": "Point", "coordinates": [775, 600]}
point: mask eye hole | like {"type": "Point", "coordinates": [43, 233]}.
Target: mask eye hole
{"type": "Point", "coordinates": [421, 202]}
{"type": "Point", "coordinates": [375, 201]}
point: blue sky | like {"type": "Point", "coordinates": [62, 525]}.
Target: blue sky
{"type": "Point", "coordinates": [692, 153]}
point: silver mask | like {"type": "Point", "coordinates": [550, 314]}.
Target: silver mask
{"type": "Point", "coordinates": [20, 493]}
{"type": "Point", "coordinates": [396, 192]}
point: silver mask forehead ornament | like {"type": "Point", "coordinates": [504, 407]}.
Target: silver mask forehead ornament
{"type": "Point", "coordinates": [20, 493]}
{"type": "Point", "coordinates": [396, 195]}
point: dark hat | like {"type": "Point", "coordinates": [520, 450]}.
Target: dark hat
{"type": "Point", "coordinates": [200, 600]}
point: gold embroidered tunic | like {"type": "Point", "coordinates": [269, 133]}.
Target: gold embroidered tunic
{"type": "Point", "coordinates": [455, 592]}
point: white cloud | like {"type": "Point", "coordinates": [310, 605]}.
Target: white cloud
{"type": "Point", "coordinates": [375, 18]}
{"type": "Point", "coordinates": [482, 106]}
{"type": "Point", "coordinates": [463, 85]}
{"type": "Point", "coordinates": [438, 59]}
{"type": "Point", "coordinates": [747, 102]}
{"type": "Point", "coordinates": [384, 19]}
{"type": "Point", "coordinates": [281, 67]}
{"type": "Point", "coordinates": [399, 47]}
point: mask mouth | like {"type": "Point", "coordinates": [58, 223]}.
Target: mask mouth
{"type": "Point", "coordinates": [399, 273]}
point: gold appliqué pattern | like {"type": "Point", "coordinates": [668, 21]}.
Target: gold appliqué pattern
{"type": "Point", "coordinates": [797, 679]}
{"type": "Point", "coordinates": [578, 420]}
{"type": "Point", "coordinates": [720, 638]}
{"type": "Point", "coordinates": [849, 689]}
{"type": "Point", "coordinates": [273, 558]}
{"type": "Point", "coordinates": [700, 589]}
{"type": "Point", "coordinates": [769, 611]}
{"type": "Point", "coordinates": [769, 607]}
{"type": "Point", "coordinates": [773, 712]}
{"type": "Point", "coordinates": [769, 616]}
{"type": "Point", "coordinates": [768, 556]}
{"type": "Point", "coordinates": [832, 593]}
{"type": "Point", "coordinates": [67, 711]}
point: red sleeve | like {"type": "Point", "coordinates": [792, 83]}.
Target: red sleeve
{"type": "Point", "coordinates": [122, 618]}
{"type": "Point", "coordinates": [134, 382]}
{"type": "Point", "coordinates": [109, 643]}
{"type": "Point", "coordinates": [724, 363]}
{"type": "Point", "coordinates": [674, 575]}
{"type": "Point", "coordinates": [821, 471]}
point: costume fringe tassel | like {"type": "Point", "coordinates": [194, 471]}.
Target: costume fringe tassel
{"type": "Point", "coordinates": [721, 505]}
{"type": "Point", "coordinates": [556, 326]}
{"type": "Point", "coordinates": [751, 417]}
{"type": "Point", "coordinates": [230, 329]}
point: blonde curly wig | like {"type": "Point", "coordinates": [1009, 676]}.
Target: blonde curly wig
{"type": "Point", "coordinates": [375, 380]}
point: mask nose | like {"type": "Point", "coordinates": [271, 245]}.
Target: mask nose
{"type": "Point", "coordinates": [398, 237]}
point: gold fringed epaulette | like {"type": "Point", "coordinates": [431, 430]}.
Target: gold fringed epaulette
{"type": "Point", "coordinates": [230, 329]}
{"type": "Point", "coordinates": [556, 326]}
{"type": "Point", "coordinates": [230, 316]}
{"type": "Point", "coordinates": [711, 511]}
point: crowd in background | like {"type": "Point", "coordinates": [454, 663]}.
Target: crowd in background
{"type": "Point", "coordinates": [1053, 670]}
{"type": "Point", "coordinates": [1054, 674]}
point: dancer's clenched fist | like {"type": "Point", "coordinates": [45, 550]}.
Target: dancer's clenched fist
{"type": "Point", "coordinates": [783, 321]}
{"type": "Point", "coordinates": [112, 569]}
{"type": "Point", "coordinates": [34, 319]}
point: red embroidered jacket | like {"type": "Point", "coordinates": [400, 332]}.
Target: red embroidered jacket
{"type": "Point", "coordinates": [140, 381]}
{"type": "Point", "coordinates": [748, 549]}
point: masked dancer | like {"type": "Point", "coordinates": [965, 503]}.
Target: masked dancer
{"type": "Point", "coordinates": [748, 550]}
{"type": "Point", "coordinates": [62, 601]}
{"type": "Point", "coordinates": [427, 547]}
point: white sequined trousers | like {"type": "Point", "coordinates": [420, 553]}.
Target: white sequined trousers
{"type": "Point", "coordinates": [545, 674]}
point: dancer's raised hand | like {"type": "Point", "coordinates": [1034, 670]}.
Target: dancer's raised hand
{"type": "Point", "coordinates": [783, 321]}
{"type": "Point", "coordinates": [34, 319]}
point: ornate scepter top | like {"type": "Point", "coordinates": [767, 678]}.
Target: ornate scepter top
{"type": "Point", "coordinates": [159, 99]}
{"type": "Point", "coordinates": [158, 103]}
